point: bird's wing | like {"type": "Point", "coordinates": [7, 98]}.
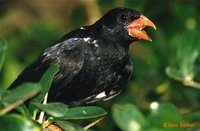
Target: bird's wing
{"type": "Point", "coordinates": [66, 53]}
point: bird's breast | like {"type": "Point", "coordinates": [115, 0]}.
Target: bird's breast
{"type": "Point", "coordinates": [106, 60]}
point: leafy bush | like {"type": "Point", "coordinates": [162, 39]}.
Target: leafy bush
{"type": "Point", "coordinates": [163, 93]}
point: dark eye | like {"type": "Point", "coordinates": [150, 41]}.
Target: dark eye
{"type": "Point", "coordinates": [123, 17]}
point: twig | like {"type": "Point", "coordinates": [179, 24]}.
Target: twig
{"type": "Point", "coordinates": [10, 107]}
{"type": "Point", "coordinates": [192, 84]}
{"type": "Point", "coordinates": [93, 123]}
{"type": "Point", "coordinates": [41, 116]}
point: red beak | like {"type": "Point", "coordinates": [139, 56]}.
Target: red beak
{"type": "Point", "coordinates": [136, 26]}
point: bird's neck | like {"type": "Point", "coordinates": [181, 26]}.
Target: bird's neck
{"type": "Point", "coordinates": [110, 37]}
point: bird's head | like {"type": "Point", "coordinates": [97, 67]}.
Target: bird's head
{"type": "Point", "coordinates": [125, 24]}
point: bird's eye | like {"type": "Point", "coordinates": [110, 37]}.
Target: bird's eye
{"type": "Point", "coordinates": [123, 17]}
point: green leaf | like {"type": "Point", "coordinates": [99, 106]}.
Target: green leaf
{"type": "Point", "coordinates": [60, 110]}
{"type": "Point", "coordinates": [17, 96]}
{"type": "Point", "coordinates": [67, 126]}
{"type": "Point", "coordinates": [165, 113]}
{"type": "Point", "coordinates": [18, 123]}
{"type": "Point", "coordinates": [22, 92]}
{"type": "Point", "coordinates": [84, 112]}
{"type": "Point", "coordinates": [128, 117]}
{"type": "Point", "coordinates": [53, 109]}
{"type": "Point", "coordinates": [194, 116]}
{"type": "Point", "coordinates": [184, 53]}
{"type": "Point", "coordinates": [3, 47]}
{"type": "Point", "coordinates": [45, 82]}
{"type": "Point", "coordinates": [3, 92]}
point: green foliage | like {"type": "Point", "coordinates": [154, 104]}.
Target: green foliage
{"type": "Point", "coordinates": [45, 83]}
{"type": "Point", "coordinates": [30, 42]}
{"type": "Point", "coordinates": [3, 47]}
{"type": "Point", "coordinates": [2, 93]}
{"type": "Point", "coordinates": [59, 110]}
{"type": "Point", "coordinates": [84, 112]}
{"type": "Point", "coordinates": [67, 126]}
{"type": "Point", "coordinates": [165, 113]}
{"type": "Point", "coordinates": [164, 116]}
{"type": "Point", "coordinates": [182, 66]}
{"type": "Point", "coordinates": [162, 69]}
{"type": "Point", "coordinates": [12, 99]}
{"type": "Point", "coordinates": [18, 123]}
{"type": "Point", "coordinates": [23, 92]}
{"type": "Point", "coordinates": [128, 117]}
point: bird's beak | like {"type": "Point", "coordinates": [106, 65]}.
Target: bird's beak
{"type": "Point", "coordinates": [136, 26]}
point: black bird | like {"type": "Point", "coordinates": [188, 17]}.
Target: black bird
{"type": "Point", "coordinates": [94, 61]}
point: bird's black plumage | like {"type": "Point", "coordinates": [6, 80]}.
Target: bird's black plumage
{"type": "Point", "coordinates": [94, 61]}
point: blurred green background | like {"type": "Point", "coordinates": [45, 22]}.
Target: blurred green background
{"type": "Point", "coordinates": [165, 86]}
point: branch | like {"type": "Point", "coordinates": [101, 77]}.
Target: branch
{"type": "Point", "coordinates": [192, 84]}
{"type": "Point", "coordinates": [93, 123]}
{"type": "Point", "coordinates": [15, 104]}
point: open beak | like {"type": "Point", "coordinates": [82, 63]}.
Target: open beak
{"type": "Point", "coordinates": [135, 28]}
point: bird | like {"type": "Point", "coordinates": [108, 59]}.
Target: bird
{"type": "Point", "coordinates": [93, 60]}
